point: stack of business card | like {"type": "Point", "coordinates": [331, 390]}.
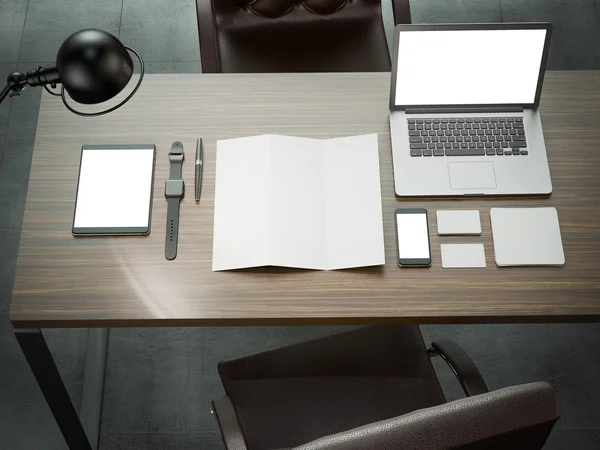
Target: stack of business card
{"type": "Point", "coordinates": [458, 223]}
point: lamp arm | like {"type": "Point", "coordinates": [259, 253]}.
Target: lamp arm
{"type": "Point", "coordinates": [17, 81]}
{"type": "Point", "coordinates": [4, 93]}
{"type": "Point", "coordinates": [43, 76]}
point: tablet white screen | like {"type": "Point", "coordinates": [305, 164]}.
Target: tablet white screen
{"type": "Point", "coordinates": [468, 67]}
{"type": "Point", "coordinates": [114, 188]}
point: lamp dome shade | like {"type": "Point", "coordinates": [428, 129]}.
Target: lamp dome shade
{"type": "Point", "coordinates": [93, 66]}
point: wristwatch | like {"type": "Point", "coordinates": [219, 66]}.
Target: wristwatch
{"type": "Point", "coordinates": [174, 191]}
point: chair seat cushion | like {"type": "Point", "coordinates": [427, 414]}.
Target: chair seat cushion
{"type": "Point", "coordinates": [286, 412]}
{"type": "Point", "coordinates": [351, 40]}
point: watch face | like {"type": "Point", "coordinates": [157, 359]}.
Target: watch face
{"type": "Point", "coordinates": [174, 188]}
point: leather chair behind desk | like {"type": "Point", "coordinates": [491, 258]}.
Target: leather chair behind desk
{"type": "Point", "coordinates": [374, 388]}
{"type": "Point", "coordinates": [257, 36]}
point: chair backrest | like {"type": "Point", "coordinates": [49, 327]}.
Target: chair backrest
{"type": "Point", "coordinates": [516, 418]}
{"type": "Point", "coordinates": [294, 35]}
{"type": "Point", "coordinates": [376, 351]}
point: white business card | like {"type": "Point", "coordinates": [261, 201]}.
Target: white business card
{"type": "Point", "coordinates": [456, 222]}
{"type": "Point", "coordinates": [462, 256]}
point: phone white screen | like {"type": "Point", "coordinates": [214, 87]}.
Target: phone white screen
{"type": "Point", "coordinates": [413, 237]}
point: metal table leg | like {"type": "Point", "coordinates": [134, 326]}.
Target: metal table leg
{"type": "Point", "coordinates": [79, 433]}
{"type": "Point", "coordinates": [93, 383]}
{"type": "Point", "coordinates": [44, 369]}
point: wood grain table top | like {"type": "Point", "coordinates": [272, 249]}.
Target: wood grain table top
{"type": "Point", "coordinates": [63, 281]}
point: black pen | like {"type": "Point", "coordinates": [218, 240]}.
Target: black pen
{"type": "Point", "coordinates": [198, 178]}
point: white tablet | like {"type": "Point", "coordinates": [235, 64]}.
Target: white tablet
{"type": "Point", "coordinates": [114, 192]}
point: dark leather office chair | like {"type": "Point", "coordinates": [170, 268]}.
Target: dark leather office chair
{"type": "Point", "coordinates": [374, 388]}
{"type": "Point", "coordinates": [295, 35]}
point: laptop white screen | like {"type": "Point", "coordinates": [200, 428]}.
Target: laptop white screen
{"type": "Point", "coordinates": [468, 67]}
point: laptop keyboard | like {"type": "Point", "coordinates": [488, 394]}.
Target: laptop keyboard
{"type": "Point", "coordinates": [472, 136]}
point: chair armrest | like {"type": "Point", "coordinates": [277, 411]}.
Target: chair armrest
{"type": "Point", "coordinates": [233, 437]}
{"type": "Point", "coordinates": [401, 10]}
{"type": "Point", "coordinates": [469, 377]}
{"type": "Point", "coordinates": [207, 33]}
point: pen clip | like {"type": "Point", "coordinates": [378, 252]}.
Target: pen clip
{"type": "Point", "coordinates": [199, 151]}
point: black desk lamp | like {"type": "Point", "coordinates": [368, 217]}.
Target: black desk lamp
{"type": "Point", "coordinates": [92, 65]}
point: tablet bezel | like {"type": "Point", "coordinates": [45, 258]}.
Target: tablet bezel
{"type": "Point", "coordinates": [115, 231]}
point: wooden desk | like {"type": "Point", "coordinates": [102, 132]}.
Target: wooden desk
{"type": "Point", "coordinates": [62, 281]}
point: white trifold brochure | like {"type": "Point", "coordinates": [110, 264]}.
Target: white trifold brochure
{"type": "Point", "coordinates": [298, 202]}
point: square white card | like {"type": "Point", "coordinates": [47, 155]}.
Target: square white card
{"type": "Point", "coordinates": [527, 237]}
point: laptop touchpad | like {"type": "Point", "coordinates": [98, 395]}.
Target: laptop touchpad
{"type": "Point", "coordinates": [472, 175]}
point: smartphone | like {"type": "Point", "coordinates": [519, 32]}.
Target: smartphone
{"type": "Point", "coordinates": [412, 236]}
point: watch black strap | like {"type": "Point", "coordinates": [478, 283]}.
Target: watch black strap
{"type": "Point", "coordinates": [176, 163]}
{"type": "Point", "coordinates": [172, 227]}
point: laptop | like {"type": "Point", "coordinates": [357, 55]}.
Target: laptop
{"type": "Point", "coordinates": [464, 113]}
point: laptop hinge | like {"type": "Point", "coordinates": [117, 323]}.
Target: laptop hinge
{"type": "Point", "coordinates": [466, 109]}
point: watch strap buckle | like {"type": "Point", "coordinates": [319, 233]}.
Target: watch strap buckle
{"type": "Point", "coordinates": [176, 158]}
{"type": "Point", "coordinates": [176, 153]}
